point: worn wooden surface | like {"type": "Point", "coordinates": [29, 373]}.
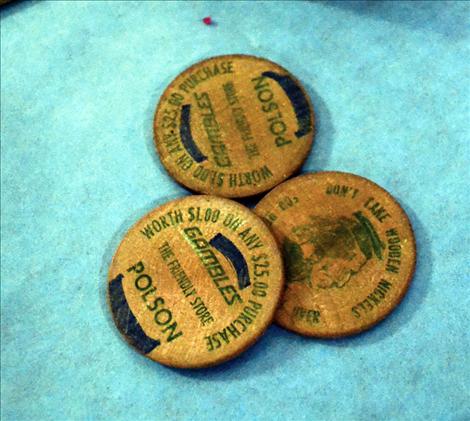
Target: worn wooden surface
{"type": "Point", "coordinates": [348, 248]}
{"type": "Point", "coordinates": [233, 126]}
{"type": "Point", "coordinates": [195, 282]}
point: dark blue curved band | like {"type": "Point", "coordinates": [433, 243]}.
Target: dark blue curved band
{"type": "Point", "coordinates": [126, 321]}
{"type": "Point", "coordinates": [231, 252]}
{"type": "Point", "coordinates": [298, 100]}
{"type": "Point", "coordinates": [186, 136]}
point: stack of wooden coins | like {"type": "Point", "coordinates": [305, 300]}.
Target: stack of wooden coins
{"type": "Point", "coordinates": [198, 280]}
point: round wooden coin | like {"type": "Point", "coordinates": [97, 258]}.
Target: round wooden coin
{"type": "Point", "coordinates": [195, 282]}
{"type": "Point", "coordinates": [348, 250]}
{"type": "Point", "coordinates": [233, 126]}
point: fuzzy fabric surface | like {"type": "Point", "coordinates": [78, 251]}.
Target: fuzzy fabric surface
{"type": "Point", "coordinates": [79, 85]}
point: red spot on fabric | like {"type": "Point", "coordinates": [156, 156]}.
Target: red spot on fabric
{"type": "Point", "coordinates": [207, 20]}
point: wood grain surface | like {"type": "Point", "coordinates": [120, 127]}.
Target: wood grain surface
{"type": "Point", "coordinates": [233, 126]}
{"type": "Point", "coordinates": [195, 282]}
{"type": "Point", "coordinates": [348, 248]}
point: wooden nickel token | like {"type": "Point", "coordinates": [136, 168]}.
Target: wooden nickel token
{"type": "Point", "coordinates": [195, 282]}
{"type": "Point", "coordinates": [348, 249]}
{"type": "Point", "coordinates": [233, 126]}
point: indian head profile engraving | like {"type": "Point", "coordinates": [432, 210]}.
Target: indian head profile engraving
{"type": "Point", "coordinates": [329, 252]}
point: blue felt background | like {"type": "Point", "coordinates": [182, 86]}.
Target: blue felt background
{"type": "Point", "coordinates": [79, 83]}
